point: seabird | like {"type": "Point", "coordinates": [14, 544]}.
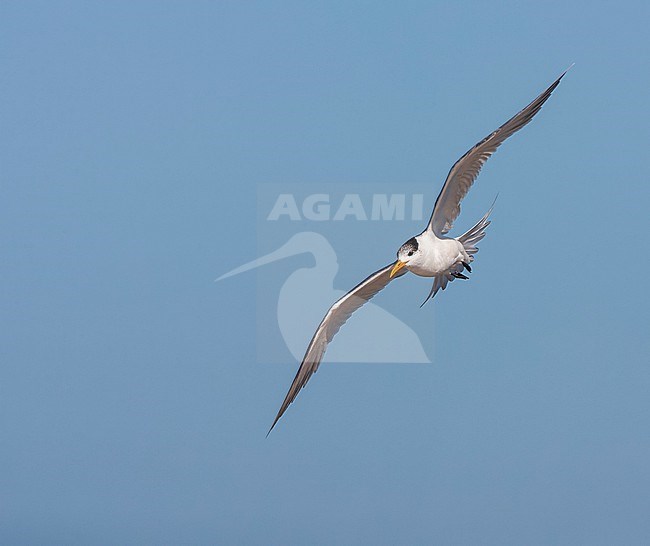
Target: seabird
{"type": "Point", "coordinates": [429, 254]}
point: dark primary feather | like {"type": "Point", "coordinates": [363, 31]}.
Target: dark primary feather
{"type": "Point", "coordinates": [335, 317]}
{"type": "Point", "coordinates": [464, 172]}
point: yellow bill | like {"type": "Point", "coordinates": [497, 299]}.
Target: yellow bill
{"type": "Point", "coordinates": [398, 265]}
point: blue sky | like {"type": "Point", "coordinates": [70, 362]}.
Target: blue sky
{"type": "Point", "coordinates": [133, 404]}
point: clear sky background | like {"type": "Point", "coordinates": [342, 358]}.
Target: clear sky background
{"type": "Point", "coordinates": [133, 408]}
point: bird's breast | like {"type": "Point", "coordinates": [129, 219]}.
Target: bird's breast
{"type": "Point", "coordinates": [438, 256]}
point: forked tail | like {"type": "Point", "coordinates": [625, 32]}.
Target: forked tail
{"type": "Point", "coordinates": [470, 238]}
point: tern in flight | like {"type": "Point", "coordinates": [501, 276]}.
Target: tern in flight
{"type": "Point", "coordinates": [429, 254]}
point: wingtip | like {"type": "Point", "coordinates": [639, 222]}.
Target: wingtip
{"type": "Point", "coordinates": [563, 73]}
{"type": "Point", "coordinates": [275, 422]}
{"type": "Point", "coordinates": [273, 425]}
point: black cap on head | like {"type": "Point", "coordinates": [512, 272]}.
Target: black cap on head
{"type": "Point", "coordinates": [411, 243]}
{"type": "Point", "coordinates": [409, 247]}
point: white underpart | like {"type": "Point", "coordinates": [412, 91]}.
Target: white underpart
{"type": "Point", "coordinates": [441, 257]}
{"type": "Point", "coordinates": [437, 255]}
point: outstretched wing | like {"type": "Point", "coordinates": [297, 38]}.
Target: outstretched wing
{"type": "Point", "coordinates": [464, 172]}
{"type": "Point", "coordinates": [337, 315]}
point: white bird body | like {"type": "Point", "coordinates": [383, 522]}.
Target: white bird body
{"type": "Point", "coordinates": [440, 255]}
{"type": "Point", "coordinates": [429, 254]}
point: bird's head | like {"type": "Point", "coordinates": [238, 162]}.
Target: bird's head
{"type": "Point", "coordinates": [409, 252]}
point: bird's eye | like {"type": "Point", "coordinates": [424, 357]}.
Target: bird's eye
{"type": "Point", "coordinates": [410, 253]}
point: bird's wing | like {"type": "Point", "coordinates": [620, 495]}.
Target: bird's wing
{"type": "Point", "coordinates": [335, 317]}
{"type": "Point", "coordinates": [464, 172]}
